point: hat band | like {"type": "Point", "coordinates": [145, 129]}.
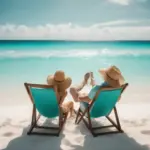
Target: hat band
{"type": "Point", "coordinates": [58, 81]}
{"type": "Point", "coordinates": [110, 77]}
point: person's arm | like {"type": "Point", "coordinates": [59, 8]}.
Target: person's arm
{"type": "Point", "coordinates": [89, 97]}
{"type": "Point", "coordinates": [84, 98]}
{"type": "Point", "coordinates": [92, 80]}
{"type": "Point", "coordinates": [62, 98]}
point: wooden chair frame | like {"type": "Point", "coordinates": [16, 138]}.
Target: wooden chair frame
{"type": "Point", "coordinates": [88, 123]}
{"type": "Point", "coordinates": [35, 118]}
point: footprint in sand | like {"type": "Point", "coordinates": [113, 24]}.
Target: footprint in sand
{"type": "Point", "coordinates": [5, 123]}
{"type": "Point", "coordinates": [146, 132]}
{"type": "Point", "coordinates": [23, 121]}
{"type": "Point", "coordinates": [7, 134]}
{"type": "Point", "coordinates": [66, 142]}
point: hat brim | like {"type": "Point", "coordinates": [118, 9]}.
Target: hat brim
{"type": "Point", "coordinates": [63, 85]}
{"type": "Point", "coordinates": [110, 81]}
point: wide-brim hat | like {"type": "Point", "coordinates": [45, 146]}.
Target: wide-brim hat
{"type": "Point", "coordinates": [112, 76]}
{"type": "Point", "coordinates": [60, 79]}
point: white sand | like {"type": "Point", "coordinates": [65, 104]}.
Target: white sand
{"type": "Point", "coordinates": [134, 117]}
{"type": "Point", "coordinates": [135, 120]}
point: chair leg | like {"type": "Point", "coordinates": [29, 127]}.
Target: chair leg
{"type": "Point", "coordinates": [89, 119]}
{"type": "Point", "coordinates": [117, 125]}
{"type": "Point", "coordinates": [62, 121]}
{"type": "Point", "coordinates": [90, 124]}
{"type": "Point", "coordinates": [33, 121]}
{"type": "Point", "coordinates": [117, 119]}
{"type": "Point", "coordinates": [82, 115]}
{"type": "Point", "coordinates": [91, 129]}
{"type": "Point", "coordinates": [78, 113]}
{"type": "Point", "coordinates": [112, 122]}
{"type": "Point", "coordinates": [30, 130]}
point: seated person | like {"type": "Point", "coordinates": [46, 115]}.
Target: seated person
{"type": "Point", "coordinates": [62, 83]}
{"type": "Point", "coordinates": [112, 78]}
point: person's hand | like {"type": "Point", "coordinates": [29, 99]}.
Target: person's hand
{"type": "Point", "coordinates": [92, 75]}
{"type": "Point", "coordinates": [90, 102]}
{"type": "Point", "coordinates": [86, 77]}
{"type": "Point", "coordinates": [92, 79]}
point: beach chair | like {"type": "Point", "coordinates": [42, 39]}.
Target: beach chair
{"type": "Point", "coordinates": [102, 105]}
{"type": "Point", "coordinates": [45, 102]}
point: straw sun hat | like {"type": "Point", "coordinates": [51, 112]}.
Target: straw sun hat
{"type": "Point", "coordinates": [63, 82]}
{"type": "Point", "coordinates": [112, 76]}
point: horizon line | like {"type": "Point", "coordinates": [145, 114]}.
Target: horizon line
{"type": "Point", "coordinates": [46, 40]}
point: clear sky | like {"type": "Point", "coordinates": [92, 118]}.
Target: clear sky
{"type": "Point", "coordinates": [65, 19]}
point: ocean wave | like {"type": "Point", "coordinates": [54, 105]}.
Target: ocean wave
{"type": "Point", "coordinates": [72, 53]}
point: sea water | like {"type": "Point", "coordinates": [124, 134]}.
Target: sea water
{"type": "Point", "coordinates": [33, 61]}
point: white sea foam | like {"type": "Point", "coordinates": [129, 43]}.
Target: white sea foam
{"type": "Point", "coordinates": [71, 53]}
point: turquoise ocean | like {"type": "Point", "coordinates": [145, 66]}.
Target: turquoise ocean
{"type": "Point", "coordinates": [32, 61]}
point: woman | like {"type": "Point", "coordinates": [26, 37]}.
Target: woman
{"type": "Point", "coordinates": [112, 78]}
{"type": "Point", "coordinates": [62, 83]}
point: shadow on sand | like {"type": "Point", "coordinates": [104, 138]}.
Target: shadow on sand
{"type": "Point", "coordinates": [107, 142]}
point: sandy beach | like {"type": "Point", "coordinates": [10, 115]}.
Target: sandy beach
{"type": "Point", "coordinates": [135, 121]}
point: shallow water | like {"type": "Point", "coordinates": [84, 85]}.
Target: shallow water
{"type": "Point", "coordinates": [32, 61]}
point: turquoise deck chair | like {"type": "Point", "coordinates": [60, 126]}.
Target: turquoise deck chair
{"type": "Point", "coordinates": [102, 105]}
{"type": "Point", "coordinates": [45, 102]}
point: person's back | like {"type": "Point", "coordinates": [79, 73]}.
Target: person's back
{"type": "Point", "coordinates": [95, 88]}
{"type": "Point", "coordinates": [62, 83]}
